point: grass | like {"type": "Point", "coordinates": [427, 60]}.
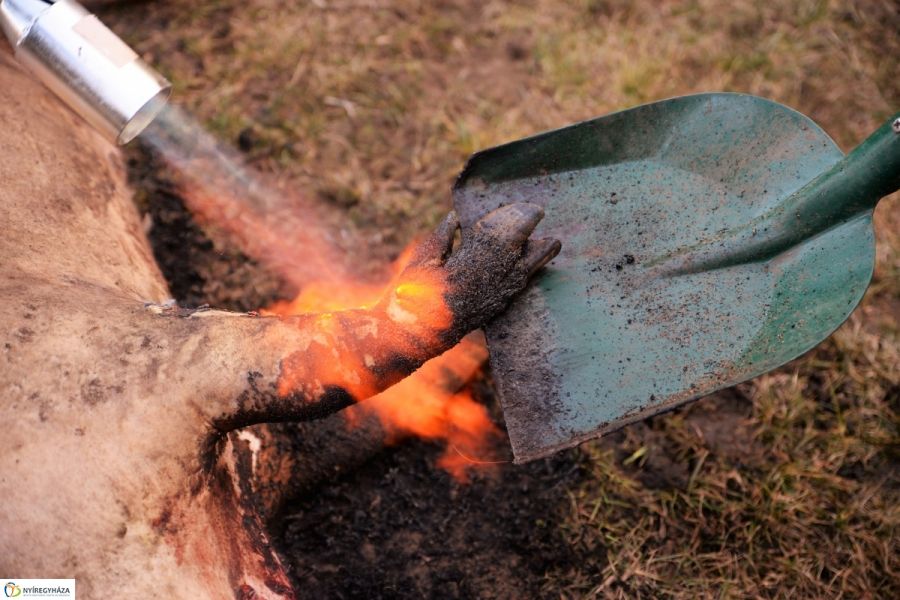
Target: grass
{"type": "Point", "coordinates": [808, 506]}
{"type": "Point", "coordinates": [374, 106]}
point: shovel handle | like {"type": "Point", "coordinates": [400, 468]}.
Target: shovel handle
{"type": "Point", "coordinates": [855, 184]}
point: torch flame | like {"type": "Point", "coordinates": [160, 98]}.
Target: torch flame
{"type": "Point", "coordinates": [429, 403]}
{"type": "Point", "coordinates": [270, 225]}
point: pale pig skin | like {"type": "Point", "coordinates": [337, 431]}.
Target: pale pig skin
{"type": "Point", "coordinates": [116, 463]}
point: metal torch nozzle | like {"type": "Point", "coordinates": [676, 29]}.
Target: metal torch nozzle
{"type": "Point", "coordinates": [85, 64]}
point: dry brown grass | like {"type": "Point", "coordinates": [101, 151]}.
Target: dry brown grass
{"type": "Point", "coordinates": [802, 503]}
{"type": "Point", "coordinates": [374, 105]}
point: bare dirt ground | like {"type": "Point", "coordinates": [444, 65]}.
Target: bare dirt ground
{"type": "Point", "coordinates": [788, 486]}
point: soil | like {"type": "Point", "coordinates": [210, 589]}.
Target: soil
{"type": "Point", "coordinates": [402, 528]}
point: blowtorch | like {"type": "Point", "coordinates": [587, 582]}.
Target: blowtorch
{"type": "Point", "coordinates": [84, 63]}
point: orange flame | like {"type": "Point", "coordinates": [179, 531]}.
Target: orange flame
{"type": "Point", "coordinates": [270, 224]}
{"type": "Point", "coordinates": [430, 403]}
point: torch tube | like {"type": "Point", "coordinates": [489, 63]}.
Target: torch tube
{"type": "Point", "coordinates": [85, 64]}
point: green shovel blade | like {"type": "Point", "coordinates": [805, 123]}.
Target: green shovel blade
{"type": "Point", "coordinates": [679, 274]}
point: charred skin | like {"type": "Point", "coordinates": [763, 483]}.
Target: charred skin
{"type": "Point", "coordinates": [116, 462]}
{"type": "Point", "coordinates": [349, 356]}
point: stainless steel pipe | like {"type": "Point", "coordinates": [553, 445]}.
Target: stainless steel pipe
{"type": "Point", "coordinates": [85, 64]}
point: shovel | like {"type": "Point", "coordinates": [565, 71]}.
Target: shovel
{"type": "Point", "coordinates": [706, 240]}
